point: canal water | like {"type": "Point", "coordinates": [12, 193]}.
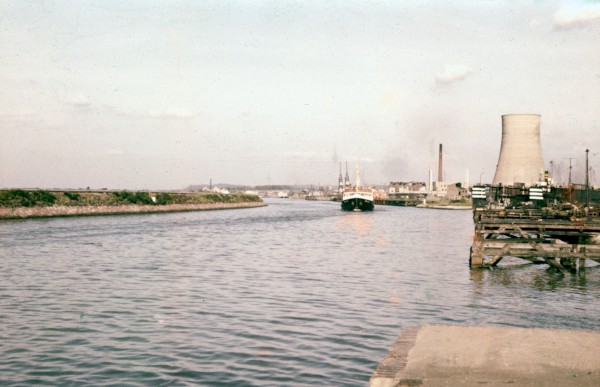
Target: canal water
{"type": "Point", "coordinates": [297, 293]}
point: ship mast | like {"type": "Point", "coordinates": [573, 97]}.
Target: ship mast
{"type": "Point", "coordinates": [357, 172]}
{"type": "Point", "coordinates": [587, 180]}
{"type": "Point", "coordinates": [347, 181]}
{"type": "Point", "coordinates": [341, 181]}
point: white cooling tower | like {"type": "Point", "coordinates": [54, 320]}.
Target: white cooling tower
{"type": "Point", "coordinates": [520, 158]}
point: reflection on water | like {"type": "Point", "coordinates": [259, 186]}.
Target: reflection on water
{"type": "Point", "coordinates": [297, 293]}
{"type": "Point", "coordinates": [355, 222]}
{"type": "Point", "coordinates": [539, 277]}
{"type": "Point", "coordinates": [535, 296]}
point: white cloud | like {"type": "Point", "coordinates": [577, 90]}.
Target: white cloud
{"type": "Point", "coordinates": [536, 23]}
{"type": "Point", "coordinates": [306, 156]}
{"type": "Point", "coordinates": [80, 100]}
{"type": "Point", "coordinates": [20, 115]}
{"type": "Point", "coordinates": [577, 14]}
{"type": "Point", "coordinates": [173, 113]}
{"type": "Point", "coordinates": [455, 72]}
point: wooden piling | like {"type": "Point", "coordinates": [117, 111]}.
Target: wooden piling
{"type": "Point", "coordinates": [564, 244]}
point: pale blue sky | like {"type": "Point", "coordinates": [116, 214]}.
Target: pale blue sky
{"type": "Point", "coordinates": [164, 94]}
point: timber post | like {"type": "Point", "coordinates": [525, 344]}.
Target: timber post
{"type": "Point", "coordinates": [508, 223]}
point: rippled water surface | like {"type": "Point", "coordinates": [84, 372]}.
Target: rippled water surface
{"type": "Point", "coordinates": [296, 293]}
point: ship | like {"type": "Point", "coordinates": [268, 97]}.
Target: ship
{"type": "Point", "coordinates": [357, 198]}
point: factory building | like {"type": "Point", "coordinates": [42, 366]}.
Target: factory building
{"type": "Point", "coordinates": [396, 188]}
{"type": "Point", "coordinates": [456, 191]}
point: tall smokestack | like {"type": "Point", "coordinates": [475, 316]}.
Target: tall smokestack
{"type": "Point", "coordinates": [440, 176]}
{"type": "Point", "coordinates": [520, 158]}
{"type": "Point", "coordinates": [430, 186]}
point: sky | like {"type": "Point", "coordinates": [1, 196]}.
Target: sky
{"type": "Point", "coordinates": [167, 94]}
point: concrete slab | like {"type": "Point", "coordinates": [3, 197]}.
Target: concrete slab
{"type": "Point", "coordinates": [446, 355]}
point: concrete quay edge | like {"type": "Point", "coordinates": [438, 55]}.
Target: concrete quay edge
{"type": "Point", "coordinates": [449, 355]}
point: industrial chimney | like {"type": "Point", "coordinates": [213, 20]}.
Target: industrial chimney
{"type": "Point", "coordinates": [440, 175]}
{"type": "Point", "coordinates": [520, 158]}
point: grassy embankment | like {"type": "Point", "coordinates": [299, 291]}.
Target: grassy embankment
{"type": "Point", "coordinates": [40, 203]}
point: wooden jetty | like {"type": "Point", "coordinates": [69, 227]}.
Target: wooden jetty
{"type": "Point", "coordinates": [534, 224]}
{"type": "Point", "coordinates": [402, 202]}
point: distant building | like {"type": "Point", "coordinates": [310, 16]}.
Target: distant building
{"type": "Point", "coordinates": [223, 191]}
{"type": "Point", "coordinates": [380, 194]}
{"type": "Point", "coordinates": [439, 189]}
{"type": "Point", "coordinates": [457, 192]}
{"type": "Point", "coordinates": [412, 187]}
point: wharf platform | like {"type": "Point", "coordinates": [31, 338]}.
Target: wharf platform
{"type": "Point", "coordinates": [406, 202]}
{"type": "Point", "coordinates": [542, 224]}
{"type": "Point", "coordinates": [536, 236]}
{"type": "Point", "coordinates": [448, 355]}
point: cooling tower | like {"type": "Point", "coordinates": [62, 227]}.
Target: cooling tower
{"type": "Point", "coordinates": [520, 158]}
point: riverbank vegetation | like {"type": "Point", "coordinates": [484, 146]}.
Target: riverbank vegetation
{"type": "Point", "coordinates": [41, 198]}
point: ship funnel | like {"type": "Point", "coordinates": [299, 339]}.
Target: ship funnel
{"type": "Point", "coordinates": [520, 158]}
